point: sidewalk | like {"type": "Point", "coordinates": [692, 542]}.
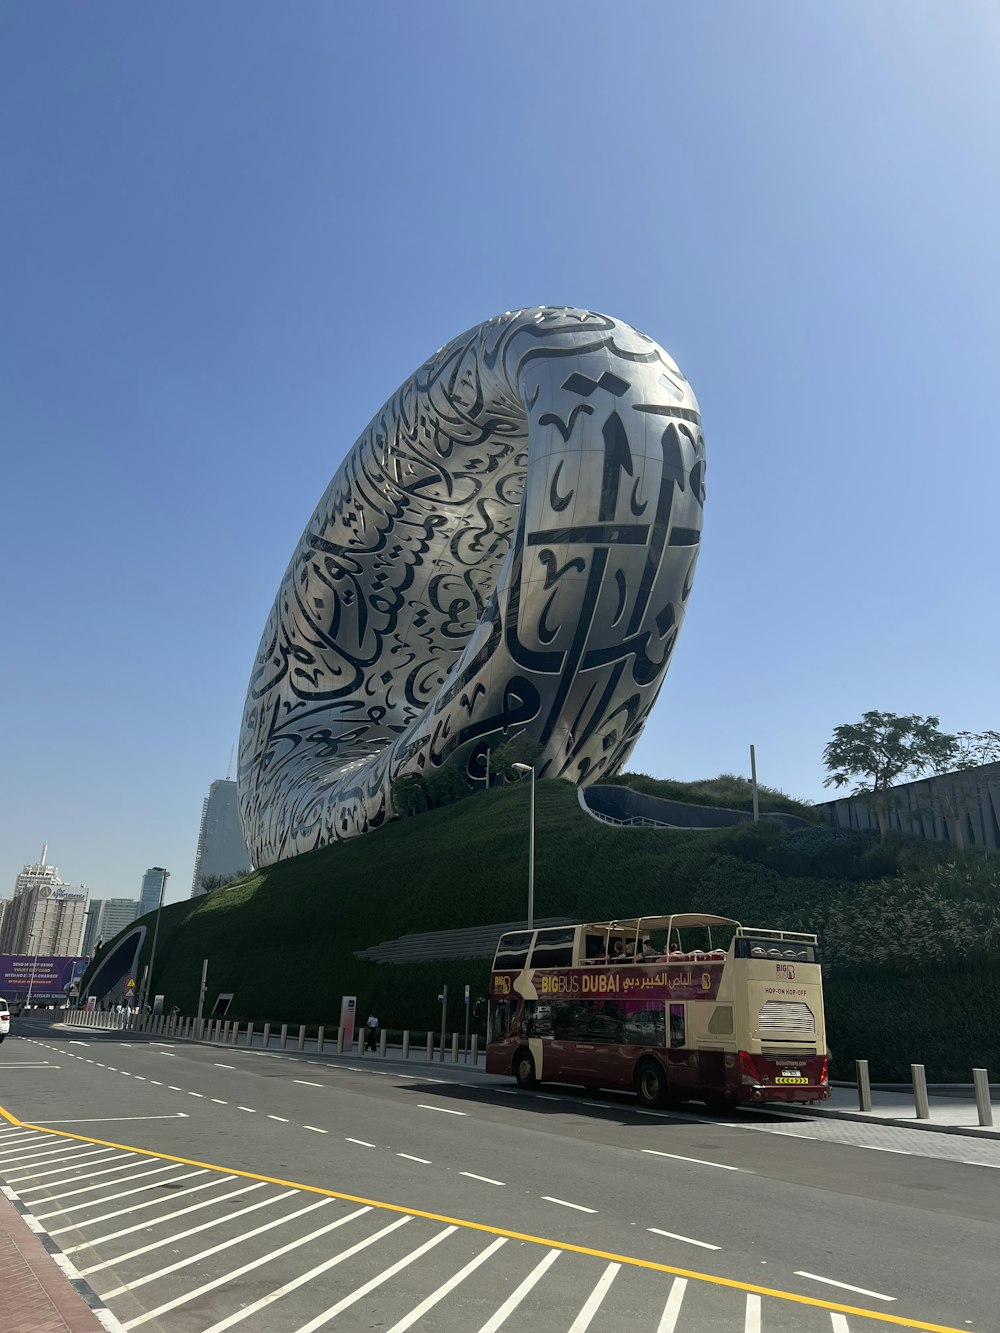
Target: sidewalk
{"type": "Point", "coordinates": [952, 1111]}
{"type": "Point", "coordinates": [35, 1296]}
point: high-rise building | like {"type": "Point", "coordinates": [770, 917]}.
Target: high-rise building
{"type": "Point", "coordinates": [106, 918]}
{"type": "Point", "coordinates": [154, 883]}
{"type": "Point", "coordinates": [45, 916]}
{"type": "Point", "coordinates": [221, 849]}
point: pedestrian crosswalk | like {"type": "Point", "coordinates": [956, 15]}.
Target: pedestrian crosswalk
{"type": "Point", "coordinates": [180, 1248]}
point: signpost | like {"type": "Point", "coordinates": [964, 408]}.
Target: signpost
{"type": "Point", "coordinates": [466, 1047]}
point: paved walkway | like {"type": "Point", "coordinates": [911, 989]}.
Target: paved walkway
{"type": "Point", "coordinates": [950, 1111]}
{"type": "Point", "coordinates": [35, 1296]}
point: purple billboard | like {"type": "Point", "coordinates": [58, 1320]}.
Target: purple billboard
{"type": "Point", "coordinates": [49, 978]}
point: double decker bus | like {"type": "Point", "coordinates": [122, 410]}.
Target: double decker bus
{"type": "Point", "coordinates": [686, 1007]}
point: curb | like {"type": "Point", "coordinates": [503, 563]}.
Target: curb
{"type": "Point", "coordinates": [864, 1118]}
{"type": "Point", "coordinates": [82, 1287]}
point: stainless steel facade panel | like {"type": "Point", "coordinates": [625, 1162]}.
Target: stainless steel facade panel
{"type": "Point", "coordinates": [508, 547]}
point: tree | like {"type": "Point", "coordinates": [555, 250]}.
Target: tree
{"type": "Point", "coordinates": [409, 794]}
{"type": "Point", "coordinates": [883, 749]}
{"type": "Point", "coordinates": [520, 749]}
{"type": "Point", "coordinates": [446, 786]}
{"type": "Point", "coordinates": [210, 883]}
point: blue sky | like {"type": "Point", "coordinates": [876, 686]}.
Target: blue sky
{"type": "Point", "coordinates": [230, 230]}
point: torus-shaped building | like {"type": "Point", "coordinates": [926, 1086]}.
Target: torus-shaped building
{"type": "Point", "coordinates": [509, 547]}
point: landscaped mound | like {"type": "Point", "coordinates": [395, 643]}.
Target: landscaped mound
{"type": "Point", "coordinates": [910, 930]}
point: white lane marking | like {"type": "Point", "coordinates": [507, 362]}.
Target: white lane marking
{"type": "Point", "coordinates": [219, 1102]}
{"type": "Point", "coordinates": [410, 1158]}
{"type": "Point", "coordinates": [140, 1077]}
{"type": "Point", "coordinates": [282, 1118]}
{"type": "Point", "coordinates": [445, 1110]}
{"type": "Point", "coordinates": [196, 1094]}
{"type": "Point", "coordinates": [42, 1064]}
{"type": "Point", "coordinates": [150, 1222]}
{"type": "Point", "coordinates": [427, 1304]}
{"type": "Point", "coordinates": [37, 1154]}
{"type": "Point", "coordinates": [901, 1152]}
{"type": "Point", "coordinates": [171, 1088]}
{"type": "Point", "coordinates": [99, 1155]}
{"type": "Point", "coordinates": [156, 1082]}
{"type": "Point", "coordinates": [689, 1240]}
{"type": "Point", "coordinates": [846, 1286]}
{"type": "Point", "coordinates": [218, 1066]}
{"type": "Point", "coordinates": [487, 1180]}
{"type": "Point", "coordinates": [672, 1309]}
{"type": "Point", "coordinates": [91, 1175]}
{"type": "Point", "coordinates": [360, 1292]}
{"type": "Point", "coordinates": [751, 1322]}
{"type": "Point", "coordinates": [566, 1204]}
{"type": "Point", "coordinates": [698, 1161]}
{"type": "Point", "coordinates": [107, 1119]}
{"type": "Point", "coordinates": [315, 1130]}
{"type": "Point", "coordinates": [362, 1143]}
{"type": "Point", "coordinates": [304, 1082]}
{"type": "Point", "coordinates": [593, 1302]}
{"type": "Point", "coordinates": [247, 1108]}
{"type": "Point", "coordinates": [519, 1293]}
{"type": "Point", "coordinates": [78, 1043]}
{"type": "Point", "coordinates": [237, 1272]}
{"type": "Point", "coordinates": [102, 1185]}
{"type": "Point", "coordinates": [302, 1278]}
{"type": "Point", "coordinates": [148, 1202]}
{"type": "Point", "coordinates": [838, 1322]}
{"type": "Point", "coordinates": [191, 1231]}
{"type": "Point", "coordinates": [508, 1092]}
{"type": "Point", "coordinates": [994, 1165]}
{"type": "Point", "coordinates": [168, 1055]}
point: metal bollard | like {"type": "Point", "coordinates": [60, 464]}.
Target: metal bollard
{"type": "Point", "coordinates": [225, 1031]}
{"type": "Point", "coordinates": [983, 1104]}
{"type": "Point", "coordinates": [340, 1041]}
{"type": "Point", "coordinates": [920, 1092]}
{"type": "Point", "coordinates": [406, 1044]}
{"type": "Point", "coordinates": [474, 1055]}
{"type": "Point", "coordinates": [454, 1048]}
{"type": "Point", "coordinates": [265, 1041]}
{"type": "Point", "coordinates": [283, 1039]}
{"type": "Point", "coordinates": [320, 1034]}
{"type": "Point", "coordinates": [381, 1041]}
{"type": "Point", "coordinates": [864, 1086]}
{"type": "Point", "coordinates": [302, 1036]}
{"type": "Point", "coordinates": [430, 1046]}
{"type": "Point", "coordinates": [361, 1041]}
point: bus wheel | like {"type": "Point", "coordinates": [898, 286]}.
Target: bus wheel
{"type": "Point", "coordinates": [650, 1084]}
{"type": "Point", "coordinates": [524, 1069]}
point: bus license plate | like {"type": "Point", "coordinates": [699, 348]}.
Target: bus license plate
{"type": "Point", "coordinates": [789, 1078]}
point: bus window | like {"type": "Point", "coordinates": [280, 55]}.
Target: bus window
{"type": "Point", "coordinates": [512, 951]}
{"type": "Point", "coordinates": [554, 947]}
{"type": "Point", "coordinates": [594, 947]}
{"type": "Point", "coordinates": [677, 1029]}
{"type": "Point", "coordinates": [721, 1022]}
{"type": "Point", "coordinates": [537, 1019]}
{"type": "Point", "coordinates": [499, 1020]}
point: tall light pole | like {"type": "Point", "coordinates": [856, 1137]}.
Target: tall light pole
{"type": "Point", "coordinates": [529, 768]}
{"type": "Point", "coordinates": [156, 931]}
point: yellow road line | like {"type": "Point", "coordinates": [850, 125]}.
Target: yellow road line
{"type": "Point", "coordinates": [900, 1321]}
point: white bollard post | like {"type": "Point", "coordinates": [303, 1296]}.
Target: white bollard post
{"type": "Point", "coordinates": [320, 1035]}
{"type": "Point", "coordinates": [302, 1036]}
{"type": "Point", "coordinates": [430, 1046]}
{"type": "Point", "coordinates": [920, 1092]}
{"type": "Point", "coordinates": [406, 1044]}
{"type": "Point", "coordinates": [983, 1104]}
{"type": "Point", "coordinates": [283, 1040]}
{"type": "Point", "coordinates": [454, 1048]}
{"type": "Point", "coordinates": [474, 1051]}
{"type": "Point", "coordinates": [340, 1041]}
{"type": "Point", "coordinates": [381, 1041]}
{"type": "Point", "coordinates": [265, 1040]}
{"type": "Point", "coordinates": [864, 1086]}
{"type": "Point", "coordinates": [250, 1027]}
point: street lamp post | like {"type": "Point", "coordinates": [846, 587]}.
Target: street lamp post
{"type": "Point", "coordinates": [529, 768]}
{"type": "Point", "coordinates": [156, 931]}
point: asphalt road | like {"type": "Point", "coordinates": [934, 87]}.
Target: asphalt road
{"type": "Point", "coordinates": [373, 1195]}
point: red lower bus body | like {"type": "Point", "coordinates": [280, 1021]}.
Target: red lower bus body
{"type": "Point", "coordinates": [715, 1077]}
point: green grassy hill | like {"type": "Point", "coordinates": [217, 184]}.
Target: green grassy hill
{"type": "Point", "coordinates": [910, 930]}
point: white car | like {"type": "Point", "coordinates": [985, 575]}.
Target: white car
{"type": "Point", "coordinates": [4, 1019]}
